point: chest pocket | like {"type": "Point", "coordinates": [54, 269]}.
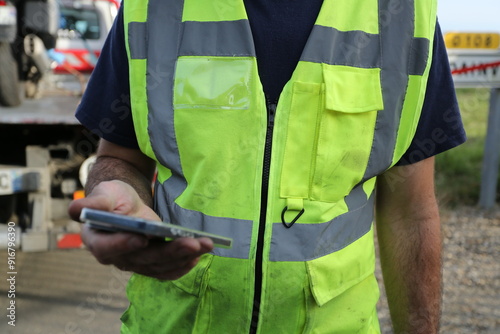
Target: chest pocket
{"type": "Point", "coordinates": [212, 83]}
{"type": "Point", "coordinates": [330, 133]}
{"type": "Point", "coordinates": [215, 123]}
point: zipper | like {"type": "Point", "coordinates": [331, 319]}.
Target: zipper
{"type": "Point", "coordinates": [266, 167]}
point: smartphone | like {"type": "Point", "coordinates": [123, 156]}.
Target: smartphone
{"type": "Point", "coordinates": [112, 222]}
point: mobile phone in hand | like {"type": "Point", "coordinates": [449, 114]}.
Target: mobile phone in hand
{"type": "Point", "coordinates": [112, 222]}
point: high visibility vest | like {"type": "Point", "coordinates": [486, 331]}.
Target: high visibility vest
{"type": "Point", "coordinates": [292, 184]}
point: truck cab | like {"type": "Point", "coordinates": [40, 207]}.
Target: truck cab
{"type": "Point", "coordinates": [83, 29]}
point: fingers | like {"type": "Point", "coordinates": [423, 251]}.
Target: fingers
{"type": "Point", "coordinates": [161, 261]}
{"type": "Point", "coordinates": [206, 244]}
{"type": "Point", "coordinates": [135, 252]}
{"type": "Point", "coordinates": [107, 246]}
{"type": "Point", "coordinates": [149, 257]}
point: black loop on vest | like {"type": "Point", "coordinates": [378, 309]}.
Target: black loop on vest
{"type": "Point", "coordinates": [288, 225]}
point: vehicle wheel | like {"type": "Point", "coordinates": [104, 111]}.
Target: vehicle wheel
{"type": "Point", "coordinates": [10, 95]}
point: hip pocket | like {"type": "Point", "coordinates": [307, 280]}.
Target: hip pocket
{"type": "Point", "coordinates": [158, 306]}
{"type": "Point", "coordinates": [343, 291]}
{"type": "Point", "coordinates": [194, 281]}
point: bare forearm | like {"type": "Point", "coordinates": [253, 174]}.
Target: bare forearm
{"type": "Point", "coordinates": [109, 168]}
{"type": "Point", "coordinates": [409, 235]}
{"type": "Point", "coordinates": [411, 264]}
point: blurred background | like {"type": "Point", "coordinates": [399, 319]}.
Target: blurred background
{"type": "Point", "coordinates": [48, 49]}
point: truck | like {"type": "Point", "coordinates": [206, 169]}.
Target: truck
{"type": "Point", "coordinates": [33, 31]}
{"type": "Point", "coordinates": [28, 28]}
{"type": "Point", "coordinates": [83, 30]}
{"type": "Point", "coordinates": [45, 153]}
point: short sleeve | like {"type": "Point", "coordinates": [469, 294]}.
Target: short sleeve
{"type": "Point", "coordinates": [440, 126]}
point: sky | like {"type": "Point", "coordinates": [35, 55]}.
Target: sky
{"type": "Point", "coordinates": [469, 15]}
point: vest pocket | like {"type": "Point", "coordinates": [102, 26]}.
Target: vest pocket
{"type": "Point", "coordinates": [330, 133]}
{"type": "Point", "coordinates": [194, 281]}
{"type": "Point", "coordinates": [352, 89]}
{"type": "Point", "coordinates": [353, 96]}
{"type": "Point", "coordinates": [158, 306]}
{"type": "Point", "coordinates": [298, 161]}
{"type": "Point", "coordinates": [334, 273]}
{"type": "Point", "coordinates": [212, 83]}
{"type": "Point", "coordinates": [217, 125]}
{"type": "Point", "coordinates": [343, 287]}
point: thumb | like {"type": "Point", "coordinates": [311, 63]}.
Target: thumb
{"type": "Point", "coordinates": [98, 202]}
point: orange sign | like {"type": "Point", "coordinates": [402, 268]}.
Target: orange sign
{"type": "Point", "coordinates": [466, 40]}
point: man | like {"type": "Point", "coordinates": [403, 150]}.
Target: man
{"type": "Point", "coordinates": [268, 122]}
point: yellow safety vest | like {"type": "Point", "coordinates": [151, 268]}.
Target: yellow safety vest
{"type": "Point", "coordinates": [292, 184]}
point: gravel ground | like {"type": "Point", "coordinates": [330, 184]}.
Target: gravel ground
{"type": "Point", "coordinates": [69, 292]}
{"type": "Point", "coordinates": [471, 273]}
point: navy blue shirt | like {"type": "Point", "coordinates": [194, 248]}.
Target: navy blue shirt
{"type": "Point", "coordinates": [280, 30]}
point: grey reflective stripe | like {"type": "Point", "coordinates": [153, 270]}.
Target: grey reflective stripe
{"type": "Point", "coordinates": [287, 244]}
{"type": "Point", "coordinates": [358, 49]}
{"type": "Point", "coordinates": [137, 39]}
{"type": "Point", "coordinates": [226, 38]}
{"type": "Point", "coordinates": [395, 50]}
{"type": "Point", "coordinates": [238, 229]}
{"type": "Point", "coordinates": [418, 56]}
{"type": "Point", "coordinates": [164, 31]}
{"type": "Point", "coordinates": [325, 44]}
{"type": "Point", "coordinates": [356, 198]}
{"type": "Point", "coordinates": [304, 242]}
{"type": "Point", "coordinates": [350, 48]}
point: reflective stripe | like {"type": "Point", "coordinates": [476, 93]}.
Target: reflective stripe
{"type": "Point", "coordinates": [238, 229]}
{"type": "Point", "coordinates": [325, 45]}
{"type": "Point", "coordinates": [418, 58]}
{"type": "Point", "coordinates": [356, 198]}
{"type": "Point", "coordinates": [287, 244]}
{"type": "Point", "coordinates": [304, 242]}
{"type": "Point", "coordinates": [164, 33]}
{"type": "Point", "coordinates": [395, 50]}
{"type": "Point", "coordinates": [137, 40]}
{"type": "Point", "coordinates": [226, 38]}
{"type": "Point", "coordinates": [350, 48]}
{"type": "Point", "coordinates": [357, 48]}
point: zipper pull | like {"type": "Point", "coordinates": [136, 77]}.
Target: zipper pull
{"type": "Point", "coordinates": [271, 113]}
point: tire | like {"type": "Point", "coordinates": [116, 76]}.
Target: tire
{"type": "Point", "coordinates": [10, 95]}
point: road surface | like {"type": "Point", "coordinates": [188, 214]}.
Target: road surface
{"type": "Point", "coordinates": [57, 104]}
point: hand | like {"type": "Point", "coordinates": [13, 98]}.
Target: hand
{"type": "Point", "coordinates": [135, 252]}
